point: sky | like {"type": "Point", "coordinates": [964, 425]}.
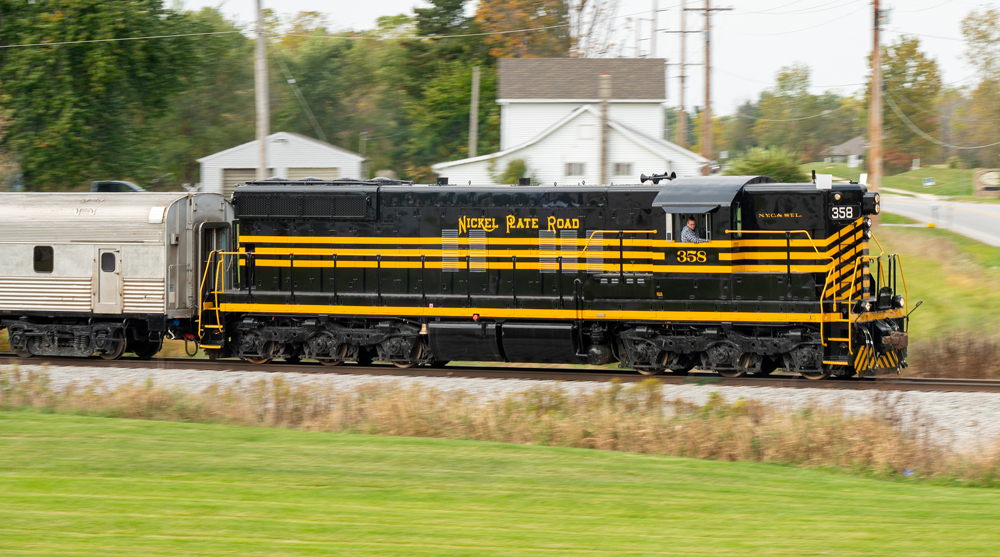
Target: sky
{"type": "Point", "coordinates": [749, 44]}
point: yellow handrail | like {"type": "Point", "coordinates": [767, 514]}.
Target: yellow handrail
{"type": "Point", "coordinates": [596, 232]}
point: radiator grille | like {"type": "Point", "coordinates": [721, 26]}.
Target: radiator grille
{"type": "Point", "coordinates": [568, 249]}
{"type": "Point", "coordinates": [547, 251]}
{"type": "Point", "coordinates": [477, 251]}
{"type": "Point", "coordinates": [449, 250]}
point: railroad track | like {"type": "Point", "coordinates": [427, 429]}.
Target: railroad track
{"type": "Point", "coordinates": [540, 374]}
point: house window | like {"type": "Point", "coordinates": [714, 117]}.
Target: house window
{"type": "Point", "coordinates": [43, 259]}
{"type": "Point", "coordinates": [623, 169]}
{"type": "Point", "coordinates": [574, 168]}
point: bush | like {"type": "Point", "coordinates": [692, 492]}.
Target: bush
{"type": "Point", "coordinates": [516, 169]}
{"type": "Point", "coordinates": [896, 162]}
{"type": "Point", "coordinates": [955, 162]}
{"type": "Point", "coordinates": [777, 163]}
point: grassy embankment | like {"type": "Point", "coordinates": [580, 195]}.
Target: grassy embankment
{"type": "Point", "coordinates": [93, 486]}
{"type": "Point", "coordinates": [949, 182]}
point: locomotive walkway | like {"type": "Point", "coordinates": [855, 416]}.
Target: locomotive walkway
{"type": "Point", "coordinates": [979, 221]}
{"type": "Point", "coordinates": [887, 383]}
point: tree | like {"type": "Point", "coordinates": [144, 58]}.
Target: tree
{"type": "Point", "coordinates": [215, 111]}
{"type": "Point", "coordinates": [912, 82]}
{"type": "Point", "coordinates": [79, 112]}
{"type": "Point", "coordinates": [976, 118]}
{"type": "Point", "coordinates": [776, 163]}
{"type": "Point", "coordinates": [439, 122]}
{"type": "Point", "coordinates": [789, 116]}
{"type": "Point", "coordinates": [549, 17]}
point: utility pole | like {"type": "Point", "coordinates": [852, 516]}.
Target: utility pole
{"type": "Point", "coordinates": [604, 89]}
{"type": "Point", "coordinates": [261, 94]}
{"type": "Point", "coordinates": [474, 113]}
{"type": "Point", "coordinates": [652, 31]}
{"type": "Point", "coordinates": [706, 120]}
{"type": "Point", "coordinates": [875, 110]}
{"type": "Point", "coordinates": [682, 115]}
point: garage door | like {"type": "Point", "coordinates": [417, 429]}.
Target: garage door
{"type": "Point", "coordinates": [233, 176]}
{"type": "Point", "coordinates": [321, 173]}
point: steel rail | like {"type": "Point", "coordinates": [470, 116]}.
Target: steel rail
{"type": "Point", "coordinates": [887, 383]}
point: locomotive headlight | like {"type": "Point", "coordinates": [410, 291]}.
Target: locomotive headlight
{"type": "Point", "coordinates": [878, 208]}
{"type": "Point", "coordinates": [868, 222]}
{"type": "Point", "coordinates": [837, 196]}
{"type": "Point", "coordinates": [878, 198]}
{"type": "Point", "coordinates": [868, 234]}
{"type": "Point", "coordinates": [862, 306]}
{"type": "Point", "coordinates": [898, 301]}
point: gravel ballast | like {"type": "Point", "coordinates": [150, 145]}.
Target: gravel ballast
{"type": "Point", "coordinates": [966, 421]}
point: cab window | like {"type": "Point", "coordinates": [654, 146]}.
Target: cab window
{"type": "Point", "coordinates": [677, 222]}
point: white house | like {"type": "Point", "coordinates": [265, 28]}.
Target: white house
{"type": "Point", "coordinates": [550, 117]}
{"type": "Point", "coordinates": [289, 155]}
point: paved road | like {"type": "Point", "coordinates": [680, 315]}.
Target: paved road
{"type": "Point", "coordinates": [979, 221]}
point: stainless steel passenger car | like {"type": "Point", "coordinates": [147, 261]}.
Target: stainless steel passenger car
{"type": "Point", "coordinates": [103, 272]}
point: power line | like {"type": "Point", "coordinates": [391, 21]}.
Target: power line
{"type": "Point", "coordinates": [302, 100]}
{"type": "Point", "coordinates": [938, 114]}
{"type": "Point", "coordinates": [119, 39]}
{"type": "Point", "coordinates": [925, 9]}
{"type": "Point", "coordinates": [770, 83]}
{"type": "Point", "coordinates": [810, 10]}
{"type": "Point", "coordinates": [902, 117]}
{"type": "Point", "coordinates": [419, 37]}
{"type": "Point", "coordinates": [797, 30]}
{"type": "Point", "coordinates": [826, 112]}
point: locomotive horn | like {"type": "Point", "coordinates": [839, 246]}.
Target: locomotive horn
{"type": "Point", "coordinates": [655, 178]}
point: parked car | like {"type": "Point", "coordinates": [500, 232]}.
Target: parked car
{"type": "Point", "coordinates": [115, 186]}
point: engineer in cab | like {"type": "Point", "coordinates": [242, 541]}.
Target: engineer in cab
{"type": "Point", "coordinates": [690, 233]}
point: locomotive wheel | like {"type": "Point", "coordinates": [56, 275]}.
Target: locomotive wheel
{"type": "Point", "coordinates": [664, 359]}
{"type": "Point", "coordinates": [420, 353]}
{"type": "Point", "coordinates": [815, 375]}
{"type": "Point", "coordinates": [731, 373]}
{"type": "Point", "coordinates": [268, 349]}
{"type": "Point", "coordinates": [118, 341]}
{"type": "Point", "coordinates": [145, 349]}
{"type": "Point", "coordinates": [23, 353]}
{"type": "Point", "coordinates": [335, 362]}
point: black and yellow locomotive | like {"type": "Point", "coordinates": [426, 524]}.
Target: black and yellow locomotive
{"type": "Point", "coordinates": [773, 276]}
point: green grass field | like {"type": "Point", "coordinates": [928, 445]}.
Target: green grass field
{"type": "Point", "coordinates": [948, 182]}
{"type": "Point", "coordinates": [839, 170]}
{"type": "Point", "coordinates": [956, 277]}
{"type": "Point", "coordinates": [96, 486]}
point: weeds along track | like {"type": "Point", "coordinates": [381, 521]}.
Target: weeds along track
{"type": "Point", "coordinates": [888, 383]}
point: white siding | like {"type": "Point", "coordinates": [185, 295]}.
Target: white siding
{"type": "Point", "coordinates": [520, 122]}
{"type": "Point", "coordinates": [569, 143]}
{"type": "Point", "coordinates": [284, 151]}
{"type": "Point", "coordinates": [644, 117]}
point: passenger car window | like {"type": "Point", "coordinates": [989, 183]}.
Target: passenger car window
{"type": "Point", "coordinates": [43, 259]}
{"type": "Point", "coordinates": [108, 262]}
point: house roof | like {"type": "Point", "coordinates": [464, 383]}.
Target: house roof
{"type": "Point", "coordinates": [653, 144]}
{"type": "Point", "coordinates": [577, 78]}
{"type": "Point", "coordinates": [285, 136]}
{"type": "Point", "coordinates": [856, 146]}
